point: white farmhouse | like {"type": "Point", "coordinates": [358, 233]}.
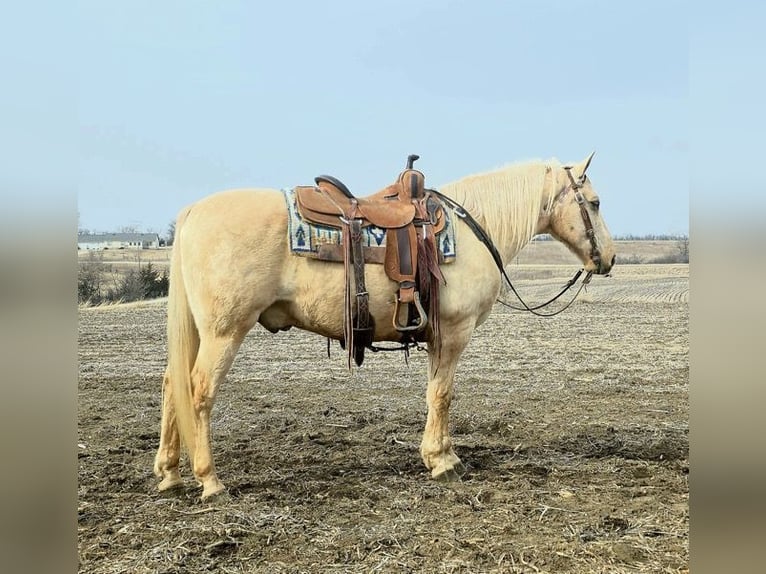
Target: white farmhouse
{"type": "Point", "coordinates": [99, 241]}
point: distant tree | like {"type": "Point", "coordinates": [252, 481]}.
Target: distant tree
{"type": "Point", "coordinates": [171, 233]}
{"type": "Point", "coordinates": [155, 284]}
{"type": "Point", "coordinates": [91, 278]}
{"type": "Point", "coordinates": [128, 288]}
{"type": "Point", "coordinates": [683, 249]}
{"type": "Point", "coordinates": [146, 283]}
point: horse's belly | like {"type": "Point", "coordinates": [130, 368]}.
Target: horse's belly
{"type": "Point", "coordinates": [322, 313]}
{"type": "Point", "coordinates": [283, 315]}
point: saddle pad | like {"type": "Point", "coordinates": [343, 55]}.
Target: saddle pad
{"type": "Point", "coordinates": [305, 237]}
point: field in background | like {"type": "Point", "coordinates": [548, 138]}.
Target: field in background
{"type": "Point", "coordinates": [633, 251]}
{"type": "Point", "coordinates": [574, 430]}
{"type": "Point", "coordinates": [536, 253]}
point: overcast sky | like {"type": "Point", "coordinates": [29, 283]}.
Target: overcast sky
{"type": "Point", "coordinates": [177, 100]}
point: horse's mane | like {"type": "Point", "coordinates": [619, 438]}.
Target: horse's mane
{"type": "Point", "coordinates": [506, 201]}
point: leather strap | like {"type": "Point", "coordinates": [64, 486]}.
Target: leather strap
{"type": "Point", "coordinates": [363, 327]}
{"type": "Point", "coordinates": [362, 320]}
{"type": "Point", "coordinates": [405, 255]}
{"type": "Point", "coordinates": [595, 254]}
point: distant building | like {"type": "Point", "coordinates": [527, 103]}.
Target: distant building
{"type": "Point", "coordinates": [98, 241]}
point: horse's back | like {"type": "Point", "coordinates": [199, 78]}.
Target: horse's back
{"type": "Point", "coordinates": [241, 204]}
{"type": "Point", "coordinates": [232, 219]}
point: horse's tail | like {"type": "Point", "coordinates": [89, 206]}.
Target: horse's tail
{"type": "Point", "coordinates": [183, 344]}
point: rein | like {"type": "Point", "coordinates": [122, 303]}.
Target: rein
{"type": "Point", "coordinates": [409, 343]}
{"type": "Point", "coordinates": [482, 236]}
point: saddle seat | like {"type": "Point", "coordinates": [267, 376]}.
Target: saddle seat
{"type": "Point", "coordinates": [330, 200]}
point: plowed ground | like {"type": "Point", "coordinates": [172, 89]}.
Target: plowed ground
{"type": "Point", "coordinates": [574, 431]}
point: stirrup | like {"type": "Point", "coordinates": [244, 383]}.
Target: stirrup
{"type": "Point", "coordinates": [422, 317]}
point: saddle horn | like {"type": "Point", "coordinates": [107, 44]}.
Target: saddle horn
{"type": "Point", "coordinates": [411, 159]}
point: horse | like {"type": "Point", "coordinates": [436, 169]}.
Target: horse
{"type": "Point", "coordinates": [232, 268]}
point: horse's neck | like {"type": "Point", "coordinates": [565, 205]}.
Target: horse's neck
{"type": "Point", "coordinates": [508, 209]}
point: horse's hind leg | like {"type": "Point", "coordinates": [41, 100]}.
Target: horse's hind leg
{"type": "Point", "coordinates": [216, 354]}
{"type": "Point", "coordinates": [436, 447]}
{"type": "Point", "coordinates": [169, 451]}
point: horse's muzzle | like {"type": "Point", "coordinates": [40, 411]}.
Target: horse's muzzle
{"type": "Point", "coordinates": [600, 266]}
{"type": "Point", "coordinates": [605, 268]}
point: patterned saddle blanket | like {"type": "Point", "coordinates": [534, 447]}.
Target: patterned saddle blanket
{"type": "Point", "coordinates": [320, 242]}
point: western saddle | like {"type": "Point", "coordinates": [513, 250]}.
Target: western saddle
{"type": "Point", "coordinates": [411, 217]}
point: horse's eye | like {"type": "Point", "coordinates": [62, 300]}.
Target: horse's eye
{"type": "Point", "coordinates": [595, 203]}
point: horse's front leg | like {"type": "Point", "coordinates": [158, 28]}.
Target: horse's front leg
{"type": "Point", "coordinates": [436, 447]}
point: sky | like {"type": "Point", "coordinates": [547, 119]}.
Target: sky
{"type": "Point", "coordinates": [178, 100]}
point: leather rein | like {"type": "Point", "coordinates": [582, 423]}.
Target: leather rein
{"type": "Point", "coordinates": [481, 234]}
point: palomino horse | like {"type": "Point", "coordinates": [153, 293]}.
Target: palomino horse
{"type": "Point", "coordinates": [232, 267]}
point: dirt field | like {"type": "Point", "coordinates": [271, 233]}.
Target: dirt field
{"type": "Point", "coordinates": [574, 431]}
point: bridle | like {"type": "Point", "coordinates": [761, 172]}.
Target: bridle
{"type": "Point", "coordinates": [575, 185]}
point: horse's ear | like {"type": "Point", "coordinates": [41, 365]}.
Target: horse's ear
{"type": "Point", "coordinates": [583, 166]}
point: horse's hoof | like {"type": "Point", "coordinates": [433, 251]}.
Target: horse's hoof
{"type": "Point", "coordinates": [450, 475]}
{"type": "Point", "coordinates": [170, 483]}
{"type": "Point", "coordinates": [219, 498]}
{"type": "Point", "coordinates": [217, 491]}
